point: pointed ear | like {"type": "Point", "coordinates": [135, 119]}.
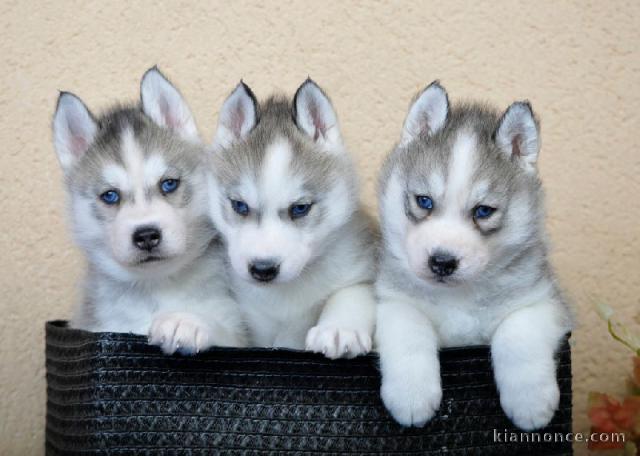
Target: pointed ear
{"type": "Point", "coordinates": [162, 102]}
{"type": "Point", "coordinates": [427, 114]}
{"type": "Point", "coordinates": [518, 134]}
{"type": "Point", "coordinates": [314, 115]}
{"type": "Point", "coordinates": [238, 116]}
{"type": "Point", "coordinates": [74, 129]}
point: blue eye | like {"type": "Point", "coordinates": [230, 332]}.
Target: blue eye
{"type": "Point", "coordinates": [483, 212]}
{"type": "Point", "coordinates": [169, 185]}
{"type": "Point", "coordinates": [424, 202]}
{"type": "Point", "coordinates": [240, 207]}
{"type": "Point", "coordinates": [110, 197]}
{"type": "Point", "coordinates": [299, 210]}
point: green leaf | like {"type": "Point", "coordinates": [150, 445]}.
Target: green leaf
{"type": "Point", "coordinates": [630, 449]}
{"type": "Point", "coordinates": [622, 334]}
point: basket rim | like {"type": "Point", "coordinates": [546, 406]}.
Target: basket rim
{"type": "Point", "coordinates": [60, 327]}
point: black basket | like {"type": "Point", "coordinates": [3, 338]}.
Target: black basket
{"type": "Point", "coordinates": [114, 394]}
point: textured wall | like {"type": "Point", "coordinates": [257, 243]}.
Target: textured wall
{"type": "Point", "coordinates": [577, 61]}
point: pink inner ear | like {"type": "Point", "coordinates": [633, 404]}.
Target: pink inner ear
{"type": "Point", "coordinates": [237, 120]}
{"type": "Point", "coordinates": [319, 125]}
{"type": "Point", "coordinates": [515, 146]}
{"type": "Point", "coordinates": [425, 127]}
{"type": "Point", "coordinates": [78, 145]}
{"type": "Point", "coordinates": [171, 121]}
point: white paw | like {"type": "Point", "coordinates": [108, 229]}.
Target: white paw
{"type": "Point", "coordinates": [179, 332]}
{"type": "Point", "coordinates": [334, 342]}
{"type": "Point", "coordinates": [412, 401]}
{"type": "Point", "coordinates": [530, 405]}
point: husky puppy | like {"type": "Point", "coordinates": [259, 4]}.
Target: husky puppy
{"type": "Point", "coordinates": [465, 259]}
{"type": "Point", "coordinates": [138, 204]}
{"type": "Point", "coordinates": [284, 196]}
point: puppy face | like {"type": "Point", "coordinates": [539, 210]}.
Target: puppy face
{"type": "Point", "coordinates": [139, 204]}
{"type": "Point", "coordinates": [278, 191]}
{"type": "Point", "coordinates": [137, 189]}
{"type": "Point", "coordinates": [455, 204]}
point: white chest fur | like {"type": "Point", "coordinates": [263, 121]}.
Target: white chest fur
{"type": "Point", "coordinates": [280, 315]}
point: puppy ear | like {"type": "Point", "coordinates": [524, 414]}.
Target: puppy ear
{"type": "Point", "coordinates": [162, 102]}
{"type": "Point", "coordinates": [427, 114]}
{"type": "Point", "coordinates": [314, 115]}
{"type": "Point", "coordinates": [518, 134]}
{"type": "Point", "coordinates": [74, 129]}
{"type": "Point", "coordinates": [238, 116]}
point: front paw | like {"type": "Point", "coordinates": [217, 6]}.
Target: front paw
{"type": "Point", "coordinates": [334, 342]}
{"type": "Point", "coordinates": [412, 401]}
{"type": "Point", "coordinates": [179, 332]}
{"type": "Point", "coordinates": [530, 405]}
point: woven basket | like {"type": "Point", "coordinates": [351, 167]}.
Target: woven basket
{"type": "Point", "coordinates": [114, 394]}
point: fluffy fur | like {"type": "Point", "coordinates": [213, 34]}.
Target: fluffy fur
{"type": "Point", "coordinates": [269, 159]}
{"type": "Point", "coordinates": [154, 264]}
{"type": "Point", "coordinates": [449, 276]}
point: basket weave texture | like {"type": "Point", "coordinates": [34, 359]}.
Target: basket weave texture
{"type": "Point", "coordinates": [114, 394]}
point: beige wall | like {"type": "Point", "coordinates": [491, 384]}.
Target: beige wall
{"type": "Point", "coordinates": [578, 62]}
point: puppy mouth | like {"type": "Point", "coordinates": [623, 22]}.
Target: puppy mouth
{"type": "Point", "coordinates": [443, 280]}
{"type": "Point", "coordinates": [440, 281]}
{"type": "Point", "coordinates": [152, 259]}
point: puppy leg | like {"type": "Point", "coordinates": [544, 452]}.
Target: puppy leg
{"type": "Point", "coordinates": [345, 326]}
{"type": "Point", "coordinates": [408, 346]}
{"type": "Point", "coordinates": [523, 350]}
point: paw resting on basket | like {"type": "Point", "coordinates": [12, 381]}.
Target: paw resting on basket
{"type": "Point", "coordinates": [179, 332]}
{"type": "Point", "coordinates": [530, 404]}
{"type": "Point", "coordinates": [412, 397]}
{"type": "Point", "coordinates": [334, 342]}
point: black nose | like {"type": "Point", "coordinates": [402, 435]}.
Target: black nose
{"type": "Point", "coordinates": [264, 270]}
{"type": "Point", "coordinates": [147, 238]}
{"type": "Point", "coordinates": [443, 264]}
